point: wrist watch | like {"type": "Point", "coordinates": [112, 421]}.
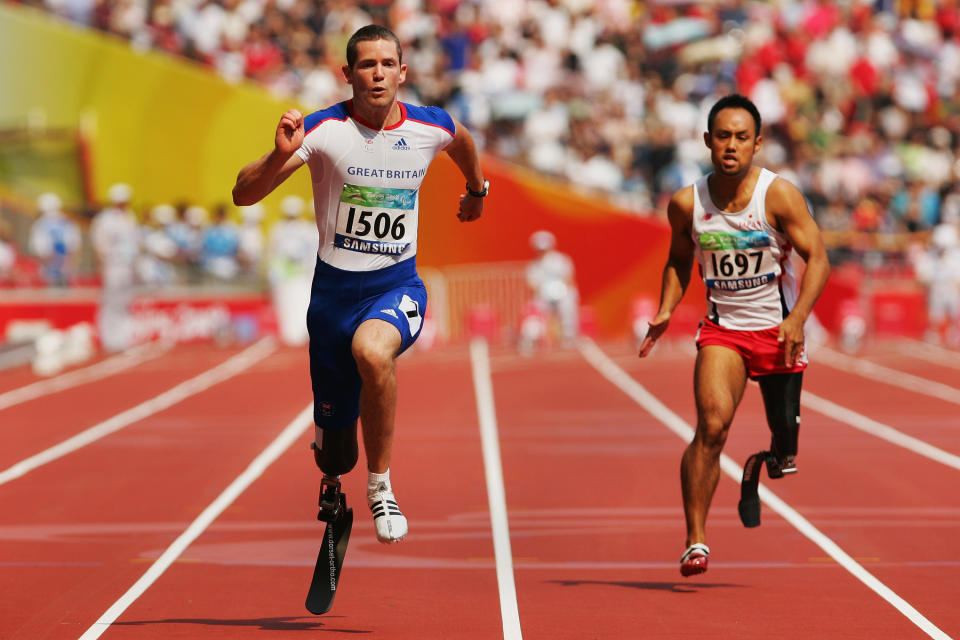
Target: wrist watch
{"type": "Point", "coordinates": [479, 194]}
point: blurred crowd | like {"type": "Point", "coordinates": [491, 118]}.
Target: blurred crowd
{"type": "Point", "coordinates": [860, 99]}
{"type": "Point", "coordinates": [163, 246]}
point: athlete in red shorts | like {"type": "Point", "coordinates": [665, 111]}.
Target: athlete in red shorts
{"type": "Point", "coordinates": [741, 224]}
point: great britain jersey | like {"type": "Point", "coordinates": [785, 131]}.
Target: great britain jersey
{"type": "Point", "coordinates": [744, 261]}
{"type": "Point", "coordinates": [366, 182]}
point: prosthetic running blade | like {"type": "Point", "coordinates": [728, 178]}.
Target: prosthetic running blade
{"type": "Point", "coordinates": [326, 574]}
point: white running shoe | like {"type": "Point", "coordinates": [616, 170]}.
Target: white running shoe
{"type": "Point", "coordinates": [389, 521]}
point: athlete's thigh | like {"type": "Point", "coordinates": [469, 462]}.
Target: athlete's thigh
{"type": "Point", "coordinates": [719, 379]}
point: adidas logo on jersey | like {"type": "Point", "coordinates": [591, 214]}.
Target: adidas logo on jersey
{"type": "Point", "coordinates": [401, 145]}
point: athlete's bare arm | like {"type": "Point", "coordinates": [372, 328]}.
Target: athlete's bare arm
{"type": "Point", "coordinates": [463, 151]}
{"type": "Point", "coordinates": [676, 273]}
{"type": "Point", "coordinates": [788, 212]}
{"type": "Point", "coordinates": [256, 180]}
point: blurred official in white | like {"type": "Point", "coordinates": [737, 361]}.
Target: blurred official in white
{"type": "Point", "coordinates": [116, 241]}
{"type": "Point", "coordinates": [293, 255]}
{"type": "Point", "coordinates": [551, 279]}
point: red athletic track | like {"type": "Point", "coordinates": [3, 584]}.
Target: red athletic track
{"type": "Point", "coordinates": [592, 493]}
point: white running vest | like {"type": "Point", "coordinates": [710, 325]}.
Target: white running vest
{"type": "Point", "coordinates": [366, 182]}
{"type": "Point", "coordinates": [744, 262]}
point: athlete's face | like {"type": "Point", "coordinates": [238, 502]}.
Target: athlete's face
{"type": "Point", "coordinates": [377, 73]}
{"type": "Point", "coordinates": [733, 142]}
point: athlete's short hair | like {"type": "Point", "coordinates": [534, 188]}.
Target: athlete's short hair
{"type": "Point", "coordinates": [371, 33]}
{"type": "Point", "coordinates": [734, 101]}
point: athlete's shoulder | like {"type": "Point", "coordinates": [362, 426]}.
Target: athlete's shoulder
{"type": "Point", "coordinates": [784, 197]}
{"type": "Point", "coordinates": [433, 116]}
{"type": "Point", "coordinates": [682, 200]}
{"type": "Point", "coordinates": [338, 111]}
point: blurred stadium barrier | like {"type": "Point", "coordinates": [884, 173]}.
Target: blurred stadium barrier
{"type": "Point", "coordinates": [486, 299]}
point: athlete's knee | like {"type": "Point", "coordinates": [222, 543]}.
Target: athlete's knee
{"type": "Point", "coordinates": [373, 358]}
{"type": "Point", "coordinates": [711, 432]}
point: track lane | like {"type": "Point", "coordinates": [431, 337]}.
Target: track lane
{"type": "Point", "coordinates": [248, 574]}
{"type": "Point", "coordinates": [77, 528]}
{"type": "Point", "coordinates": [37, 424]}
{"type": "Point", "coordinates": [598, 555]}
{"type": "Point", "coordinates": [843, 470]}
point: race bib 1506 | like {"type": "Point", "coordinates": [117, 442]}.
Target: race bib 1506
{"type": "Point", "coordinates": [737, 261]}
{"type": "Point", "coordinates": [375, 219]}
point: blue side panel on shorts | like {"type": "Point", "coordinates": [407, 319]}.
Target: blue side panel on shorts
{"type": "Point", "coordinates": [336, 112]}
{"type": "Point", "coordinates": [431, 115]}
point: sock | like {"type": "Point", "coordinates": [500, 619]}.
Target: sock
{"type": "Point", "coordinates": [374, 480]}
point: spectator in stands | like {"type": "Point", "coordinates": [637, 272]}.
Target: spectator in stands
{"type": "Point", "coordinates": [154, 264]}
{"type": "Point", "coordinates": [116, 243]}
{"type": "Point", "coordinates": [250, 250]}
{"type": "Point", "coordinates": [188, 239]}
{"type": "Point", "coordinates": [221, 244]}
{"type": "Point", "coordinates": [55, 240]}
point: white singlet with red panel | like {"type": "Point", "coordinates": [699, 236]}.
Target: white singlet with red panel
{"type": "Point", "coordinates": [366, 182]}
{"type": "Point", "coordinates": [744, 261]}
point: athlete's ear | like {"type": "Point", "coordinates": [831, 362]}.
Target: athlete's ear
{"type": "Point", "coordinates": [347, 73]}
{"type": "Point", "coordinates": [403, 74]}
{"type": "Point", "coordinates": [706, 139]}
{"type": "Point", "coordinates": [757, 143]}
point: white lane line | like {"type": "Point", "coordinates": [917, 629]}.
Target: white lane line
{"type": "Point", "coordinates": [493, 469]}
{"type": "Point", "coordinates": [880, 373]}
{"type": "Point", "coordinates": [268, 456]}
{"type": "Point", "coordinates": [929, 352]}
{"type": "Point", "coordinates": [225, 370]}
{"type": "Point", "coordinates": [878, 429]}
{"type": "Point", "coordinates": [622, 380]}
{"type": "Point", "coordinates": [111, 366]}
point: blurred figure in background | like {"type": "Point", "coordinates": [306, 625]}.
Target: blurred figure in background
{"type": "Point", "coordinates": [221, 244]}
{"type": "Point", "coordinates": [116, 243]}
{"type": "Point", "coordinates": [55, 239]}
{"type": "Point", "coordinates": [191, 252]}
{"type": "Point", "coordinates": [938, 268]}
{"type": "Point", "coordinates": [550, 277]}
{"type": "Point", "coordinates": [250, 250]}
{"type": "Point", "coordinates": [294, 243]}
{"type": "Point", "coordinates": [8, 254]}
{"type": "Point", "coordinates": [187, 240]}
{"type": "Point", "coordinates": [154, 266]}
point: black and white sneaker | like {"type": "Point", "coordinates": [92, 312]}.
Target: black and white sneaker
{"type": "Point", "coordinates": [389, 521]}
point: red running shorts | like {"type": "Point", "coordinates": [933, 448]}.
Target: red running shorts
{"type": "Point", "coordinates": [761, 352]}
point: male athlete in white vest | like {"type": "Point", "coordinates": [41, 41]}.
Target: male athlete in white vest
{"type": "Point", "coordinates": [741, 224]}
{"type": "Point", "coordinates": [367, 158]}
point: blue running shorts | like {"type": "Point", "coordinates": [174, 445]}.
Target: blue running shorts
{"type": "Point", "coordinates": [339, 302]}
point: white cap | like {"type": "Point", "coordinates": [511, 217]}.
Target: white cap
{"type": "Point", "coordinates": [163, 214]}
{"type": "Point", "coordinates": [196, 215]}
{"type": "Point", "coordinates": [49, 202]}
{"type": "Point", "coordinates": [542, 240]}
{"type": "Point", "coordinates": [292, 206]}
{"type": "Point", "coordinates": [945, 236]}
{"type": "Point", "coordinates": [252, 213]}
{"type": "Point", "coordinates": [120, 193]}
